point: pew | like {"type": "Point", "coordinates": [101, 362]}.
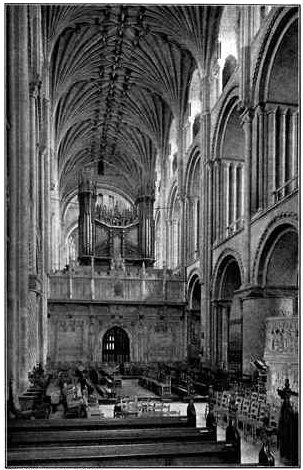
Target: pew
{"type": "Point", "coordinates": [43, 425]}
{"type": "Point", "coordinates": [19, 439]}
{"type": "Point", "coordinates": [128, 455]}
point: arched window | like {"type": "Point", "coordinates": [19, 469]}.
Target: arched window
{"type": "Point", "coordinates": [275, 149]}
{"type": "Point", "coordinates": [228, 176]}
{"type": "Point", "coordinates": [174, 232]}
{"type": "Point", "coordinates": [193, 208]}
{"type": "Point", "coordinates": [229, 67]}
{"type": "Point", "coordinates": [197, 225]}
{"type": "Point", "coordinates": [192, 124]}
{"type": "Point", "coordinates": [73, 246]}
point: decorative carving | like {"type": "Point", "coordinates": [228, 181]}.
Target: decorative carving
{"type": "Point", "coordinates": [117, 216]}
{"type": "Point", "coordinates": [282, 335]}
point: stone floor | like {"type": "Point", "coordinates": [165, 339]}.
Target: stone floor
{"type": "Point", "coordinates": [249, 451]}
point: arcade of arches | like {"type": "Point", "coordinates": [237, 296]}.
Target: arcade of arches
{"type": "Point", "coordinates": [152, 187]}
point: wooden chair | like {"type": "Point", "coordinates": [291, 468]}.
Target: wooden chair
{"type": "Point", "coordinates": [224, 407]}
{"type": "Point", "coordinates": [243, 416]}
{"type": "Point", "coordinates": [262, 418]}
{"type": "Point", "coordinates": [252, 420]}
{"type": "Point", "coordinates": [216, 403]}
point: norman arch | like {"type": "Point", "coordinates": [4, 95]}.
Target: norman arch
{"type": "Point", "coordinates": [194, 318]}
{"type": "Point", "coordinates": [277, 275]}
{"type": "Point", "coordinates": [228, 172]}
{"type": "Point", "coordinates": [277, 267]}
{"type": "Point", "coordinates": [193, 206]}
{"type": "Point", "coordinates": [174, 229]}
{"type": "Point", "coordinates": [276, 120]}
{"type": "Point", "coordinates": [226, 316]}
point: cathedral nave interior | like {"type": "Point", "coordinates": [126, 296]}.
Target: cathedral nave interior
{"type": "Point", "coordinates": [152, 202]}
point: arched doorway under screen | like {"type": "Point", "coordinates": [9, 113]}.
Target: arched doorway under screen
{"type": "Point", "coordinates": [227, 318]}
{"type": "Point", "coordinates": [115, 348]}
{"type": "Point", "coordinates": [194, 321]}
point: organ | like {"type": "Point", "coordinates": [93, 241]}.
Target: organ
{"type": "Point", "coordinates": [110, 233]}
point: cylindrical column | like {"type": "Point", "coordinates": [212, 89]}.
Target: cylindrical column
{"type": "Point", "coordinates": [230, 197]}
{"type": "Point", "coordinates": [260, 157]}
{"type": "Point", "coordinates": [214, 351]}
{"type": "Point", "coordinates": [255, 165]}
{"type": "Point", "coordinates": [242, 193]}
{"type": "Point", "coordinates": [294, 150]}
{"type": "Point", "coordinates": [217, 199]}
{"type": "Point", "coordinates": [12, 188]}
{"type": "Point", "coordinates": [224, 205]}
{"type": "Point", "coordinates": [247, 125]}
{"type": "Point", "coordinates": [272, 154]}
{"type": "Point", "coordinates": [23, 187]}
{"type": "Point", "coordinates": [46, 196]}
{"type": "Point", "coordinates": [221, 200]}
{"type": "Point", "coordinates": [225, 327]}
{"type": "Point", "coordinates": [33, 176]}
{"type": "Point", "coordinates": [283, 152]}
{"type": "Point", "coordinates": [239, 195]}
{"type": "Point", "coordinates": [227, 200]}
{"type": "Point", "coordinates": [235, 195]}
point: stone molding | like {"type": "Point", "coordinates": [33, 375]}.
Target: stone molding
{"type": "Point", "coordinates": [279, 219]}
{"type": "Point", "coordinates": [35, 283]}
{"type": "Point", "coordinates": [262, 55]}
{"type": "Point", "coordinates": [225, 253]}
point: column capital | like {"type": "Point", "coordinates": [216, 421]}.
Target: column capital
{"type": "Point", "coordinates": [34, 88]}
{"type": "Point", "coordinates": [247, 116]}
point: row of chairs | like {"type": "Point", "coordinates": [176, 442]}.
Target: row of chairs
{"type": "Point", "coordinates": [142, 408]}
{"type": "Point", "coordinates": [252, 412]}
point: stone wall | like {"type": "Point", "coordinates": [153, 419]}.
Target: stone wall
{"type": "Point", "coordinates": [157, 332]}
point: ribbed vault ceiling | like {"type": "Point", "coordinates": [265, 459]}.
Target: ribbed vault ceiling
{"type": "Point", "coordinates": [118, 75]}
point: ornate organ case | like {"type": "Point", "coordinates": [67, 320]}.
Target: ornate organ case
{"type": "Point", "coordinates": [114, 234]}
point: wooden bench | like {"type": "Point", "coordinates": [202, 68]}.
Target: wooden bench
{"type": "Point", "coordinates": [128, 455]}
{"type": "Point", "coordinates": [65, 438]}
{"type": "Point", "coordinates": [43, 425]}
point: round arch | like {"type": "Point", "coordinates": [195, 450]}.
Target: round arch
{"type": "Point", "coordinates": [277, 225]}
{"type": "Point", "coordinates": [193, 161]}
{"type": "Point", "coordinates": [228, 170]}
{"type": "Point", "coordinates": [226, 335]}
{"type": "Point", "coordinates": [278, 258]}
{"type": "Point", "coordinates": [230, 102]}
{"type": "Point", "coordinates": [278, 25]}
{"type": "Point", "coordinates": [158, 255]}
{"type": "Point", "coordinates": [223, 260]}
{"type": "Point", "coordinates": [193, 206]}
{"type": "Point", "coordinates": [194, 319]}
{"type": "Point", "coordinates": [174, 229]}
{"type": "Point", "coordinates": [228, 279]}
{"type": "Point", "coordinates": [194, 291]}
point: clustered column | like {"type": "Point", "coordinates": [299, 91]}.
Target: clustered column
{"type": "Point", "coordinates": [18, 146]}
{"type": "Point", "coordinates": [229, 206]}
{"type": "Point", "coordinates": [274, 154]}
